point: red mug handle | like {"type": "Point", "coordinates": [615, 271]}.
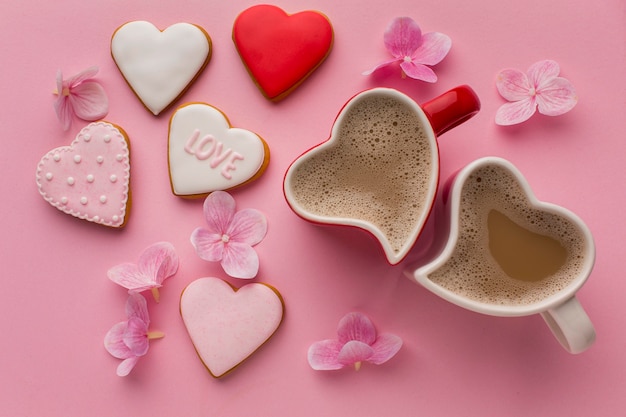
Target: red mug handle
{"type": "Point", "coordinates": [451, 108]}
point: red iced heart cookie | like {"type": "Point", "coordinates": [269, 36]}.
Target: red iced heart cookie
{"type": "Point", "coordinates": [281, 50]}
{"type": "Point", "coordinates": [227, 325]}
{"type": "Point", "coordinates": [90, 179]}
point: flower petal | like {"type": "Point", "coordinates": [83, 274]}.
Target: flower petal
{"type": "Point", "coordinates": [63, 109]}
{"type": "Point", "coordinates": [136, 336]}
{"type": "Point", "coordinates": [556, 97]}
{"type": "Point", "coordinates": [515, 112]}
{"type": "Point", "coordinates": [418, 71]}
{"type": "Point", "coordinates": [356, 326]}
{"type": "Point", "coordinates": [402, 37]}
{"type": "Point", "coordinates": [59, 81]}
{"type": "Point", "coordinates": [435, 46]}
{"type": "Point", "coordinates": [248, 226]}
{"type": "Point", "coordinates": [354, 351]}
{"type": "Point", "coordinates": [127, 365]}
{"type": "Point", "coordinates": [209, 246]}
{"type": "Point", "coordinates": [137, 307]}
{"type": "Point", "coordinates": [381, 65]}
{"type": "Point", "coordinates": [114, 341]}
{"type": "Point", "coordinates": [240, 260]}
{"type": "Point", "coordinates": [128, 276]}
{"type": "Point", "coordinates": [89, 101]}
{"type": "Point", "coordinates": [219, 210]}
{"type": "Point", "coordinates": [513, 85]}
{"type": "Point", "coordinates": [385, 347]}
{"type": "Point", "coordinates": [323, 355]}
{"type": "Point", "coordinates": [82, 76]}
{"type": "Point", "coordinates": [543, 72]}
{"type": "Point", "coordinates": [158, 262]}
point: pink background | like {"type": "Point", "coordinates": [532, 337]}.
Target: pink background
{"type": "Point", "coordinates": [57, 302]}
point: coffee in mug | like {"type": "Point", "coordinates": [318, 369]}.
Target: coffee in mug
{"type": "Point", "coordinates": [509, 254]}
{"type": "Point", "coordinates": [379, 170]}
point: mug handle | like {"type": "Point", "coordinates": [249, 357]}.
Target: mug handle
{"type": "Point", "coordinates": [451, 108]}
{"type": "Point", "coordinates": [571, 325]}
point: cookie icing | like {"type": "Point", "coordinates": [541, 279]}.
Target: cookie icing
{"type": "Point", "coordinates": [160, 65]}
{"type": "Point", "coordinates": [227, 325]}
{"type": "Point", "coordinates": [90, 178]}
{"type": "Point", "coordinates": [206, 154]}
{"type": "Point", "coordinates": [281, 50]}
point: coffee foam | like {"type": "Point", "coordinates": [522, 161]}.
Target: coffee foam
{"type": "Point", "coordinates": [378, 170]}
{"type": "Point", "coordinates": [472, 272]}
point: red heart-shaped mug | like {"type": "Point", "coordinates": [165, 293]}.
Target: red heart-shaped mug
{"type": "Point", "coordinates": [379, 170]}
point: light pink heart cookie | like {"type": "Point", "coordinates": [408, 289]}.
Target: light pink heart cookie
{"type": "Point", "coordinates": [227, 325]}
{"type": "Point", "coordinates": [90, 179]}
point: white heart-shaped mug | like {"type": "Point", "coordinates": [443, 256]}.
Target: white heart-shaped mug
{"type": "Point", "coordinates": [502, 252]}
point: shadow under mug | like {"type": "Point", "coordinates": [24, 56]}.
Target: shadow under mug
{"type": "Point", "coordinates": [502, 252]}
{"type": "Point", "coordinates": [379, 170]}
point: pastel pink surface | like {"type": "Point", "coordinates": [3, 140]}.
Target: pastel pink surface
{"type": "Point", "coordinates": [58, 303]}
{"type": "Point", "coordinates": [227, 325]}
{"type": "Point", "coordinates": [90, 179]}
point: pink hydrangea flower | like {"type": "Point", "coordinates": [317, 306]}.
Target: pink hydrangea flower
{"type": "Point", "coordinates": [129, 340]}
{"type": "Point", "coordinates": [80, 96]}
{"type": "Point", "coordinates": [540, 88]}
{"type": "Point", "coordinates": [357, 342]}
{"type": "Point", "coordinates": [230, 235]}
{"type": "Point", "coordinates": [415, 51]}
{"type": "Point", "coordinates": [156, 263]}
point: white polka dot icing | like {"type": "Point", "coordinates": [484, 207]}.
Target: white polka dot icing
{"type": "Point", "coordinates": [206, 154]}
{"type": "Point", "coordinates": [90, 179]}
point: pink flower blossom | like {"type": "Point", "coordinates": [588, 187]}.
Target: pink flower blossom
{"type": "Point", "coordinates": [80, 96]}
{"type": "Point", "coordinates": [230, 235]}
{"type": "Point", "coordinates": [157, 263]}
{"type": "Point", "coordinates": [357, 342]}
{"type": "Point", "coordinates": [540, 88]}
{"type": "Point", "coordinates": [129, 340]}
{"type": "Point", "coordinates": [415, 51]}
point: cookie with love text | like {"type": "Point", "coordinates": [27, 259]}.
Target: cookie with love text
{"type": "Point", "coordinates": [207, 154]}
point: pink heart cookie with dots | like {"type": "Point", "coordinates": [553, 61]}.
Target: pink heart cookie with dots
{"type": "Point", "coordinates": [227, 325]}
{"type": "Point", "coordinates": [90, 179]}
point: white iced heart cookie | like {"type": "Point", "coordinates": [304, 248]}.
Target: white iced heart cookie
{"type": "Point", "coordinates": [206, 154]}
{"type": "Point", "coordinates": [160, 65]}
{"type": "Point", "coordinates": [227, 325]}
{"type": "Point", "coordinates": [90, 179]}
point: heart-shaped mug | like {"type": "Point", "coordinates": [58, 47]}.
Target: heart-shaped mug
{"type": "Point", "coordinates": [379, 171]}
{"type": "Point", "coordinates": [503, 252]}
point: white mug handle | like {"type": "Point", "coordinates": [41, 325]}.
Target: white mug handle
{"type": "Point", "coordinates": [571, 325]}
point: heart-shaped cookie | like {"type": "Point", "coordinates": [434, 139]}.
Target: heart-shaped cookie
{"type": "Point", "coordinates": [378, 171]}
{"type": "Point", "coordinates": [505, 249]}
{"type": "Point", "coordinates": [207, 154]}
{"type": "Point", "coordinates": [227, 325]}
{"type": "Point", "coordinates": [90, 179]}
{"type": "Point", "coordinates": [160, 65]}
{"type": "Point", "coordinates": [281, 50]}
